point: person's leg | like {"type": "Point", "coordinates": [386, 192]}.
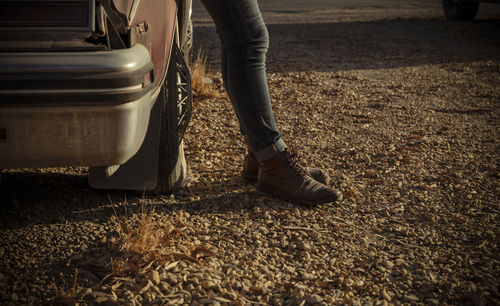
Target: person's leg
{"type": "Point", "coordinates": [245, 41]}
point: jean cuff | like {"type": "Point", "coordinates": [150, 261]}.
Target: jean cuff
{"type": "Point", "coordinates": [271, 151]}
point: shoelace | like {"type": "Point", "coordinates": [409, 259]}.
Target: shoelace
{"type": "Point", "coordinates": [293, 160]}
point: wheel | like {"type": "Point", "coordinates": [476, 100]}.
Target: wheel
{"type": "Point", "coordinates": [460, 10]}
{"type": "Point", "coordinates": [176, 104]}
{"type": "Point", "coordinates": [159, 165]}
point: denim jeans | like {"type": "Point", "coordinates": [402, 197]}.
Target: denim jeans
{"type": "Point", "coordinates": [245, 41]}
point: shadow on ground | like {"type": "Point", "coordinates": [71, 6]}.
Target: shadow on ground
{"type": "Point", "coordinates": [29, 198]}
{"type": "Point", "coordinates": [380, 44]}
{"type": "Point", "coordinates": [56, 197]}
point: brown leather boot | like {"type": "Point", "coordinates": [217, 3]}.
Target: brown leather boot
{"type": "Point", "coordinates": [251, 170]}
{"type": "Point", "coordinates": [284, 178]}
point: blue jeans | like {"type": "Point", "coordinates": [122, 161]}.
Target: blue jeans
{"type": "Point", "coordinates": [245, 41]}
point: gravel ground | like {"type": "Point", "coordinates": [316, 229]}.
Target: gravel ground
{"type": "Point", "coordinates": [402, 113]}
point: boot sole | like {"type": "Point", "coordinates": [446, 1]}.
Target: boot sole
{"type": "Point", "coordinates": [306, 202]}
{"type": "Point", "coordinates": [249, 178]}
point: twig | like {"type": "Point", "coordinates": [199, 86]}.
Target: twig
{"type": "Point", "coordinates": [306, 229]}
{"type": "Point", "coordinates": [184, 256]}
{"type": "Point", "coordinates": [386, 208]}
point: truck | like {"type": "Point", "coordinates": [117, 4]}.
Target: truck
{"type": "Point", "coordinates": [103, 84]}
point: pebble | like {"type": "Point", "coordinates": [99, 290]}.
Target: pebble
{"type": "Point", "coordinates": [432, 302]}
{"type": "Point", "coordinates": [289, 269]}
{"type": "Point", "coordinates": [283, 242]}
{"type": "Point", "coordinates": [314, 299]}
{"type": "Point", "coordinates": [315, 235]}
{"type": "Point", "coordinates": [172, 278]}
{"type": "Point", "coordinates": [386, 296]}
{"type": "Point", "coordinates": [305, 246]}
{"type": "Point", "coordinates": [165, 286]}
{"type": "Point", "coordinates": [307, 276]}
{"type": "Point", "coordinates": [155, 276]}
{"type": "Point", "coordinates": [206, 284]}
{"type": "Point", "coordinates": [263, 230]}
{"type": "Point", "coordinates": [102, 299]}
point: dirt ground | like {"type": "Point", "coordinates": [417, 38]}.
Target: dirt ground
{"type": "Point", "coordinates": [400, 106]}
{"type": "Point", "coordinates": [313, 11]}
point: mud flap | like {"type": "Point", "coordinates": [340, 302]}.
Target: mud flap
{"type": "Point", "coordinates": [139, 172]}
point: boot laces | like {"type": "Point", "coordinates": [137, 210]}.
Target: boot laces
{"type": "Point", "coordinates": [293, 160]}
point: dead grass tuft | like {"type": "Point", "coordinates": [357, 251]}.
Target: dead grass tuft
{"type": "Point", "coordinates": [143, 238]}
{"type": "Point", "coordinates": [67, 296]}
{"type": "Point", "coordinates": [202, 85]}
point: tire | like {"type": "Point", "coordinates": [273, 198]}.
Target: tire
{"type": "Point", "coordinates": [187, 48]}
{"type": "Point", "coordinates": [460, 10]}
{"type": "Point", "coordinates": [176, 106]}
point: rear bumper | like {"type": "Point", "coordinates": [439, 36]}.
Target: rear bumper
{"type": "Point", "coordinates": [74, 108]}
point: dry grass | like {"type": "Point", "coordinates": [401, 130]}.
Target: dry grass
{"type": "Point", "coordinates": [68, 296]}
{"type": "Point", "coordinates": [144, 238]}
{"type": "Point", "coordinates": [200, 80]}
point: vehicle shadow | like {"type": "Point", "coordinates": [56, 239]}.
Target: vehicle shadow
{"type": "Point", "coordinates": [382, 44]}
{"type": "Point", "coordinates": [37, 201]}
{"type": "Point", "coordinates": [93, 263]}
{"type": "Point", "coordinates": [29, 198]}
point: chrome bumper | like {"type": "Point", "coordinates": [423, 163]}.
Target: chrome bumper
{"type": "Point", "coordinates": [74, 108]}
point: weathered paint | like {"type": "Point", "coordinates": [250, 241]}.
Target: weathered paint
{"type": "Point", "coordinates": [159, 15]}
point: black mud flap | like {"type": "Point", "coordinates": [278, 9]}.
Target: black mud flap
{"type": "Point", "coordinates": [139, 172]}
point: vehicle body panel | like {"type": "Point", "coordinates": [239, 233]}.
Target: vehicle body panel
{"type": "Point", "coordinates": [155, 14]}
{"type": "Point", "coordinates": [78, 135]}
{"type": "Point", "coordinates": [85, 108]}
{"type": "Point", "coordinates": [54, 117]}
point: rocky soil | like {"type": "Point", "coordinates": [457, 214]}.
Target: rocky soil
{"type": "Point", "coordinates": [403, 114]}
